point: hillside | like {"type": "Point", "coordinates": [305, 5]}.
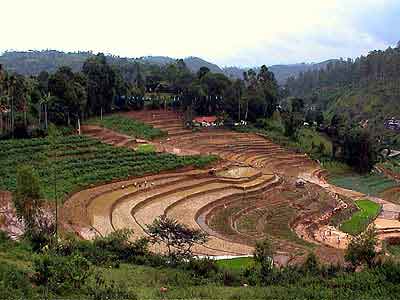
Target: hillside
{"type": "Point", "coordinates": [282, 72]}
{"type": "Point", "coordinates": [33, 62]}
{"type": "Point", "coordinates": [366, 88]}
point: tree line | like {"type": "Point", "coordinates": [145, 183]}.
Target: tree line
{"type": "Point", "coordinates": [65, 96]}
{"type": "Point", "coordinates": [378, 65]}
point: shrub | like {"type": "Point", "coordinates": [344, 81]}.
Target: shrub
{"type": "Point", "coordinates": [263, 255]}
{"type": "Point", "coordinates": [361, 249]}
{"type": "Point", "coordinates": [102, 290]}
{"type": "Point", "coordinates": [202, 267]}
{"type": "Point", "coordinates": [58, 273]}
{"type": "Point", "coordinates": [311, 264]}
{"type": "Point", "coordinates": [14, 284]}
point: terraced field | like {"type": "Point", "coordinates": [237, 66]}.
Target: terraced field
{"type": "Point", "coordinates": [251, 196]}
{"type": "Point", "coordinates": [167, 121]}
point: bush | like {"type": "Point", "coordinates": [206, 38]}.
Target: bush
{"type": "Point", "coordinates": [202, 267]}
{"type": "Point", "coordinates": [263, 255]}
{"type": "Point", "coordinates": [59, 273]}
{"type": "Point", "coordinates": [102, 290]}
{"type": "Point", "coordinates": [311, 265]}
{"type": "Point", "coordinates": [110, 250]}
{"type": "Point", "coordinates": [361, 249]}
{"type": "Point", "coordinates": [14, 284]}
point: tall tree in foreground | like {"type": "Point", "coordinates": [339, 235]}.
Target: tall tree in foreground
{"type": "Point", "coordinates": [101, 84]}
{"type": "Point", "coordinates": [362, 248]}
{"type": "Point", "coordinates": [27, 198]}
{"type": "Point", "coordinates": [178, 238]}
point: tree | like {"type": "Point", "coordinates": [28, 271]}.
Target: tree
{"type": "Point", "coordinates": [69, 95]}
{"type": "Point", "coordinates": [263, 255]}
{"type": "Point", "coordinates": [362, 248]}
{"type": "Point", "coordinates": [45, 101]}
{"type": "Point", "coordinates": [293, 118]}
{"type": "Point", "coordinates": [27, 198]}
{"type": "Point", "coordinates": [268, 88]}
{"type": "Point", "coordinates": [178, 238]}
{"type": "Point", "coordinates": [101, 84]}
{"type": "Point", "coordinates": [358, 149]}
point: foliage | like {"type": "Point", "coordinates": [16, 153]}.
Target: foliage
{"type": "Point", "coordinates": [368, 211]}
{"type": "Point", "coordinates": [146, 148]}
{"type": "Point", "coordinates": [108, 251]}
{"type": "Point", "coordinates": [362, 90]}
{"type": "Point", "coordinates": [358, 149]}
{"type": "Point", "coordinates": [103, 290]}
{"type": "Point", "coordinates": [361, 249]}
{"type": "Point", "coordinates": [236, 263]}
{"type": "Point", "coordinates": [371, 184]}
{"type": "Point", "coordinates": [14, 283]}
{"type": "Point", "coordinates": [82, 161]}
{"type": "Point", "coordinates": [311, 264]}
{"type": "Point", "coordinates": [263, 255]}
{"type": "Point", "coordinates": [27, 197]}
{"type": "Point", "coordinates": [178, 238]}
{"type": "Point", "coordinates": [128, 126]}
{"type": "Point", "coordinates": [59, 273]}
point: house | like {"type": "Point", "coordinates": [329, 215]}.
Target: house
{"type": "Point", "coordinates": [206, 121]}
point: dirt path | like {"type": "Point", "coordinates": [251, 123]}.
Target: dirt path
{"type": "Point", "coordinates": [387, 220]}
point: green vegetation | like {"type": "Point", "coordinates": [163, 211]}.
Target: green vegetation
{"type": "Point", "coordinates": [306, 139]}
{"type": "Point", "coordinates": [129, 273]}
{"type": "Point", "coordinates": [368, 211]}
{"type": "Point", "coordinates": [362, 89]}
{"type": "Point", "coordinates": [371, 184]}
{"type": "Point", "coordinates": [393, 249]}
{"type": "Point", "coordinates": [146, 148]}
{"type": "Point", "coordinates": [80, 161]}
{"type": "Point", "coordinates": [392, 165]}
{"type": "Point", "coordinates": [128, 126]}
{"type": "Point", "coordinates": [236, 264]}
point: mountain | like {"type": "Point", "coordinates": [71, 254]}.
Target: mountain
{"type": "Point", "coordinates": [281, 72]}
{"type": "Point", "coordinates": [195, 63]}
{"type": "Point", "coordinates": [33, 62]}
{"type": "Point", "coordinates": [192, 62]}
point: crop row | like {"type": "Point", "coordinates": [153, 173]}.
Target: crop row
{"type": "Point", "coordinates": [82, 161]}
{"type": "Point", "coordinates": [128, 126]}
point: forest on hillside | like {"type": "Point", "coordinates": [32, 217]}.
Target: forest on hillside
{"type": "Point", "coordinates": [66, 95]}
{"type": "Point", "coordinates": [365, 89]}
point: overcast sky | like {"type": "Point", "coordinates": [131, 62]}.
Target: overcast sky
{"type": "Point", "coordinates": [227, 32]}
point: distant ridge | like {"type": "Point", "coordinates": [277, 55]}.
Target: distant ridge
{"type": "Point", "coordinates": [33, 62]}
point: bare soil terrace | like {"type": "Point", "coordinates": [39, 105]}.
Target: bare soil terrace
{"type": "Point", "coordinates": [253, 194]}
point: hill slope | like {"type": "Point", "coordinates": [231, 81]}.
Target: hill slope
{"type": "Point", "coordinates": [33, 62]}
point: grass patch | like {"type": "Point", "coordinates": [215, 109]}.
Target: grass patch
{"type": "Point", "coordinates": [81, 161]}
{"type": "Point", "coordinates": [128, 126]}
{"type": "Point", "coordinates": [146, 148]}
{"type": "Point", "coordinates": [368, 211]}
{"type": "Point", "coordinates": [239, 263]}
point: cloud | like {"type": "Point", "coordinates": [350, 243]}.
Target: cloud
{"type": "Point", "coordinates": [228, 32]}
